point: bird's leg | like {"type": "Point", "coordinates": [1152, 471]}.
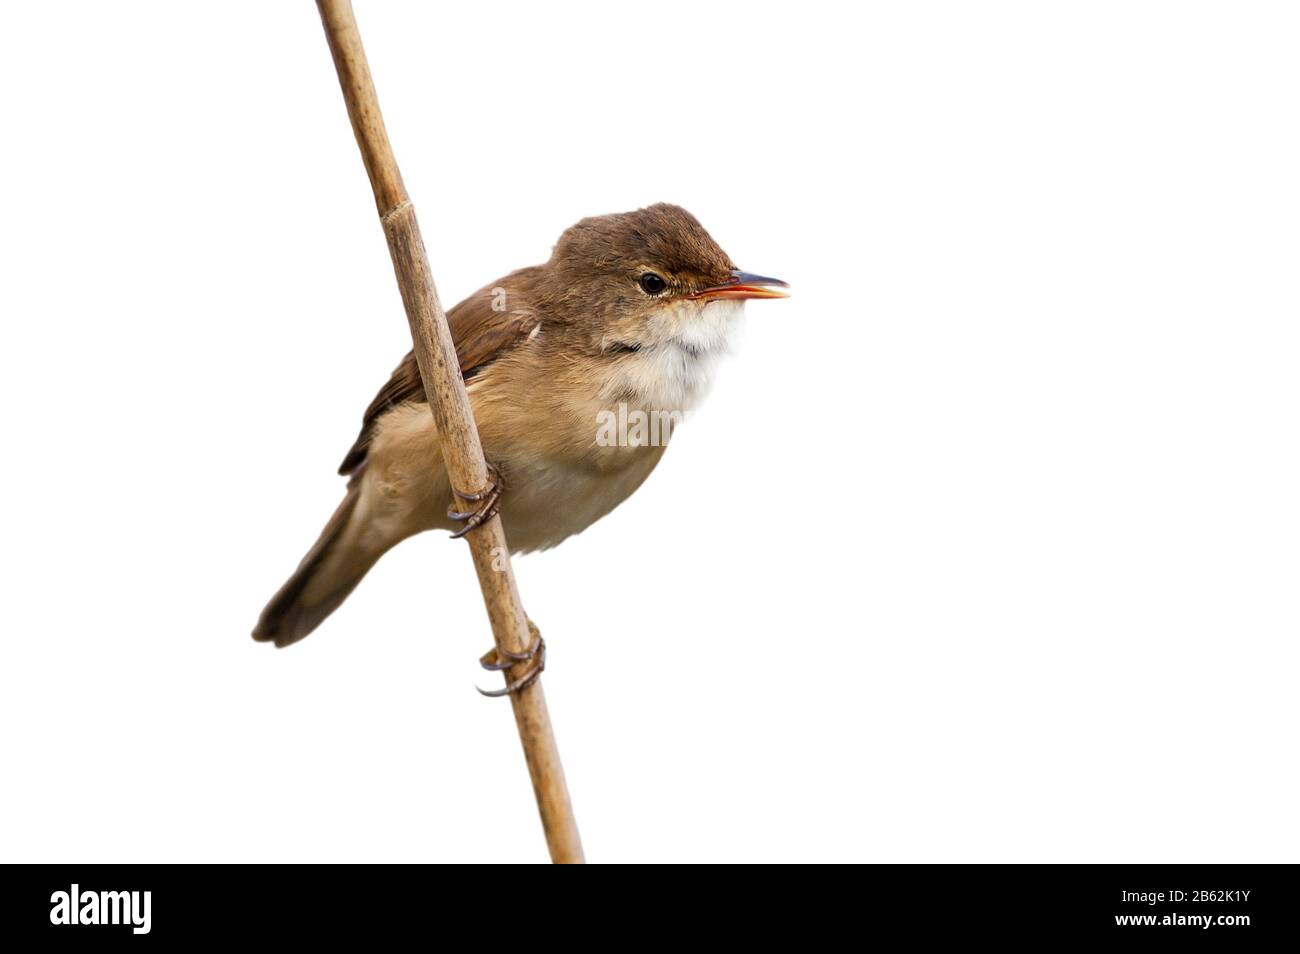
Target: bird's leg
{"type": "Point", "coordinates": [488, 500]}
{"type": "Point", "coordinates": [494, 660]}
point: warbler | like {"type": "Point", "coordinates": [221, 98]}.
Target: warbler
{"type": "Point", "coordinates": [626, 321]}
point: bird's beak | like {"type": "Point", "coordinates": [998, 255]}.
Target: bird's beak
{"type": "Point", "coordinates": [744, 285]}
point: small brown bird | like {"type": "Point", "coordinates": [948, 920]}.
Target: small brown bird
{"type": "Point", "coordinates": [577, 371]}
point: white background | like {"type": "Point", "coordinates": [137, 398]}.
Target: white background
{"type": "Point", "coordinates": [984, 548]}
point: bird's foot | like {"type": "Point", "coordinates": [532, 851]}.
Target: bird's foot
{"type": "Point", "coordinates": [494, 660]}
{"type": "Point", "coordinates": [488, 502]}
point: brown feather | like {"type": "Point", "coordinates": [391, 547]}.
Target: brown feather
{"type": "Point", "coordinates": [483, 327]}
{"type": "Point", "coordinates": [288, 617]}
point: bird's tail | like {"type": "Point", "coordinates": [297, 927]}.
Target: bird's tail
{"type": "Point", "coordinates": [327, 574]}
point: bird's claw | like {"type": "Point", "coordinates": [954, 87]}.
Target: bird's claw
{"type": "Point", "coordinates": [495, 660]}
{"type": "Point", "coordinates": [488, 500]}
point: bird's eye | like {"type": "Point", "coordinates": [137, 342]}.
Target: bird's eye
{"type": "Point", "coordinates": [652, 284]}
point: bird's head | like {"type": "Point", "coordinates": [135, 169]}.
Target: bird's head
{"type": "Point", "coordinates": [650, 278]}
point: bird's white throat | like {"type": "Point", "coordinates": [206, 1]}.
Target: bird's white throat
{"type": "Point", "coordinates": [674, 369]}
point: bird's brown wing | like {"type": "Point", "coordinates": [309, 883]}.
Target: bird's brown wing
{"type": "Point", "coordinates": [483, 326]}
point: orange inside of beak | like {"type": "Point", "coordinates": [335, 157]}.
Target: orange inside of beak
{"type": "Point", "coordinates": [740, 291]}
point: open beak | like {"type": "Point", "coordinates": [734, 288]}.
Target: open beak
{"type": "Point", "coordinates": [744, 285]}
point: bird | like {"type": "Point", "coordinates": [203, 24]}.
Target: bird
{"type": "Point", "coordinates": [577, 371]}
